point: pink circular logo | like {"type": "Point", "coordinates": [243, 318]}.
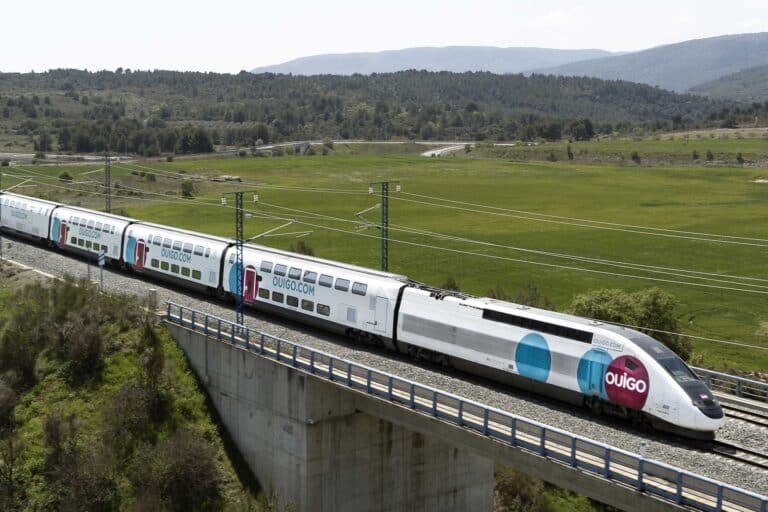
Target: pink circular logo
{"type": "Point", "coordinates": [626, 382]}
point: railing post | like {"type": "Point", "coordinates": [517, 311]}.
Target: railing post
{"type": "Point", "coordinates": [413, 396]}
{"type": "Point", "coordinates": [764, 506]}
{"type": "Point", "coordinates": [607, 466]}
{"type": "Point", "coordinates": [738, 387]}
{"type": "Point", "coordinates": [181, 315]}
{"type": "Point", "coordinates": [277, 350]}
{"type": "Point", "coordinates": [434, 403]}
{"type": "Point", "coordinates": [349, 374]}
{"type": "Point", "coordinates": [389, 389]}
{"type": "Point", "coordinates": [543, 442]}
{"type": "Point", "coordinates": [719, 503]}
{"type": "Point", "coordinates": [261, 345]}
{"type": "Point", "coordinates": [311, 361]}
{"type": "Point", "coordinates": [330, 368]}
{"type": "Point", "coordinates": [640, 474]}
{"type": "Point", "coordinates": [485, 422]}
{"type": "Point", "coordinates": [293, 356]}
{"type": "Point", "coordinates": [461, 413]}
{"type": "Point", "coordinates": [574, 462]}
{"type": "Point", "coordinates": [513, 432]}
{"type": "Point", "coordinates": [368, 382]}
{"type": "Point", "coordinates": [247, 333]}
{"type": "Point", "coordinates": [679, 495]}
{"type": "Point", "coordinates": [232, 331]}
{"type": "Point", "coordinates": [168, 311]}
{"type": "Point", "coordinates": [193, 319]}
{"type": "Point", "coordinates": [206, 325]}
{"type": "Point", "coordinates": [218, 331]}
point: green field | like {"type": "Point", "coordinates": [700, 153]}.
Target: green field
{"type": "Point", "coordinates": [323, 193]}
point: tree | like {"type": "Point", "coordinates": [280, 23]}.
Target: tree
{"type": "Point", "coordinates": [187, 189]}
{"type": "Point", "coordinates": [635, 157]}
{"type": "Point", "coordinates": [740, 158]}
{"type": "Point", "coordinates": [710, 156]}
{"type": "Point", "coordinates": [570, 152]}
{"type": "Point", "coordinates": [695, 155]}
{"type": "Point", "coordinates": [651, 310]}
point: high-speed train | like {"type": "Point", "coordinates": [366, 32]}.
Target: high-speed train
{"type": "Point", "coordinates": [606, 367]}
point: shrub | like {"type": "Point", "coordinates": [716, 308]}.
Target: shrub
{"type": "Point", "coordinates": [695, 155]}
{"type": "Point", "coordinates": [552, 157]}
{"type": "Point", "coordinates": [65, 176]}
{"type": "Point", "coordinates": [739, 158]}
{"type": "Point", "coordinates": [278, 151]}
{"type": "Point", "coordinates": [635, 157]}
{"type": "Point", "coordinates": [570, 152]}
{"type": "Point", "coordinates": [710, 156]}
{"type": "Point", "coordinates": [152, 177]}
{"type": "Point", "coordinates": [242, 153]}
{"type": "Point", "coordinates": [5, 163]}
{"type": "Point", "coordinates": [169, 158]}
{"type": "Point", "coordinates": [187, 189]}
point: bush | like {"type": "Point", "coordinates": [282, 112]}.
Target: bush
{"type": "Point", "coordinates": [242, 153]}
{"type": "Point", "coordinates": [695, 155]}
{"type": "Point", "coordinates": [180, 473]}
{"type": "Point", "coordinates": [152, 177]}
{"type": "Point", "coordinates": [552, 157]}
{"type": "Point", "coordinates": [5, 163]}
{"type": "Point", "coordinates": [169, 158]}
{"type": "Point", "coordinates": [40, 155]}
{"type": "Point", "coordinates": [635, 157]}
{"type": "Point", "coordinates": [278, 151]}
{"type": "Point", "coordinates": [65, 176]}
{"type": "Point", "coordinates": [187, 189]}
{"type": "Point", "coordinates": [739, 158]}
{"type": "Point", "coordinates": [569, 152]}
{"type": "Point", "coordinates": [710, 156]}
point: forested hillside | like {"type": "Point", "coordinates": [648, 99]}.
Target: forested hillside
{"type": "Point", "coordinates": [163, 111]}
{"type": "Point", "coordinates": [678, 67]}
{"type": "Point", "coordinates": [749, 85]}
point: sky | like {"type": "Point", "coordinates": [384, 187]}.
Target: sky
{"type": "Point", "coordinates": [228, 36]}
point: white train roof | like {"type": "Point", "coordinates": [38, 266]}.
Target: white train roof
{"type": "Point", "coordinates": [185, 232]}
{"type": "Point", "coordinates": [29, 199]}
{"type": "Point", "coordinates": [278, 253]}
{"type": "Point", "coordinates": [84, 212]}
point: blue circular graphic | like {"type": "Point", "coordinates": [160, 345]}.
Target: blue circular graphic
{"type": "Point", "coordinates": [591, 372]}
{"type": "Point", "coordinates": [533, 357]}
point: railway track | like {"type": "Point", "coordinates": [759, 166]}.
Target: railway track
{"type": "Point", "coordinates": [740, 453]}
{"type": "Point", "coordinates": [753, 416]}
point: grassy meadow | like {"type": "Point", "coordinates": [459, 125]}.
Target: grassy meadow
{"type": "Point", "coordinates": [502, 209]}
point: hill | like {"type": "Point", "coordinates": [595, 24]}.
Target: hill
{"type": "Point", "coordinates": [677, 67]}
{"type": "Point", "coordinates": [452, 58]}
{"type": "Point", "coordinates": [164, 111]}
{"type": "Point", "coordinates": [749, 85]}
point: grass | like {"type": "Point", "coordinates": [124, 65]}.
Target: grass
{"type": "Point", "coordinates": [723, 200]}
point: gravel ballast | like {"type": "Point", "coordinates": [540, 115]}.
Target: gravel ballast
{"type": "Point", "coordinates": [604, 430]}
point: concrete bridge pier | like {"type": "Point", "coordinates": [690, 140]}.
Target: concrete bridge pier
{"type": "Point", "coordinates": [307, 438]}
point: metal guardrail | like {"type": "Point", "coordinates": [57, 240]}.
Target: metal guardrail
{"type": "Point", "coordinates": [733, 385]}
{"type": "Point", "coordinates": [645, 475]}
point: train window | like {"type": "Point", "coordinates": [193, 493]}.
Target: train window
{"type": "Point", "coordinates": [188, 248]}
{"type": "Point", "coordinates": [167, 242]}
{"type": "Point", "coordinates": [196, 274]}
{"type": "Point", "coordinates": [177, 246]}
{"type": "Point", "coordinates": [629, 365]}
{"type": "Point", "coordinates": [157, 240]}
{"type": "Point", "coordinates": [74, 220]}
{"type": "Point", "coordinates": [98, 226]}
{"type": "Point", "coordinates": [81, 242]}
{"type": "Point", "coordinates": [277, 297]}
{"type": "Point", "coordinates": [294, 273]}
{"type": "Point", "coordinates": [185, 271]}
{"type": "Point", "coordinates": [677, 369]}
{"type": "Point", "coordinates": [342, 284]}
{"type": "Point", "coordinates": [175, 268]}
{"type": "Point", "coordinates": [87, 244]}
{"type": "Point", "coordinates": [359, 288]}
{"type": "Point", "coordinates": [326, 280]}
{"type": "Point", "coordinates": [73, 240]}
{"type": "Point", "coordinates": [292, 301]}
{"type": "Point", "coordinates": [266, 266]}
{"type": "Point", "coordinates": [263, 293]}
{"type": "Point", "coordinates": [104, 249]}
{"type": "Point", "coordinates": [322, 309]}
{"type": "Point", "coordinates": [538, 325]}
{"type": "Point", "coordinates": [164, 265]}
{"type": "Point", "coordinates": [91, 224]}
{"type": "Point", "coordinates": [199, 250]}
{"type": "Point", "coordinates": [310, 277]}
{"type": "Point", "coordinates": [149, 239]}
{"type": "Point", "coordinates": [207, 252]}
{"type": "Point", "coordinates": [155, 263]}
{"type": "Point", "coordinates": [307, 305]}
{"type": "Point", "coordinates": [280, 270]}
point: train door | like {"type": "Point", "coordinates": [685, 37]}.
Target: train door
{"type": "Point", "coordinates": [140, 254]}
{"type": "Point", "coordinates": [382, 304]}
{"type": "Point", "coordinates": [250, 284]}
{"type": "Point", "coordinates": [63, 233]}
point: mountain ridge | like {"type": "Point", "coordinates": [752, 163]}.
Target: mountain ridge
{"type": "Point", "coordinates": [447, 58]}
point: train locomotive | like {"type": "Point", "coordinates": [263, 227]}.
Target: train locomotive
{"type": "Point", "coordinates": [605, 367]}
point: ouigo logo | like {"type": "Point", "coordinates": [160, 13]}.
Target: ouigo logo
{"type": "Point", "coordinates": [626, 382]}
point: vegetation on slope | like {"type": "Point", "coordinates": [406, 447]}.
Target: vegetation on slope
{"type": "Point", "coordinates": [748, 85]}
{"type": "Point", "coordinates": [98, 410]}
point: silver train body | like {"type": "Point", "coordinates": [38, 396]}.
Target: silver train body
{"type": "Point", "coordinates": [607, 367]}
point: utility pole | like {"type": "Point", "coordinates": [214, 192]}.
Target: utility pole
{"type": "Point", "coordinates": [384, 218]}
{"type": "Point", "coordinates": [1, 216]}
{"type": "Point", "coordinates": [239, 266]}
{"type": "Point", "coordinates": [107, 183]}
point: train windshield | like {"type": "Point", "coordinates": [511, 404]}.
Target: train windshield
{"type": "Point", "coordinates": [678, 369]}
